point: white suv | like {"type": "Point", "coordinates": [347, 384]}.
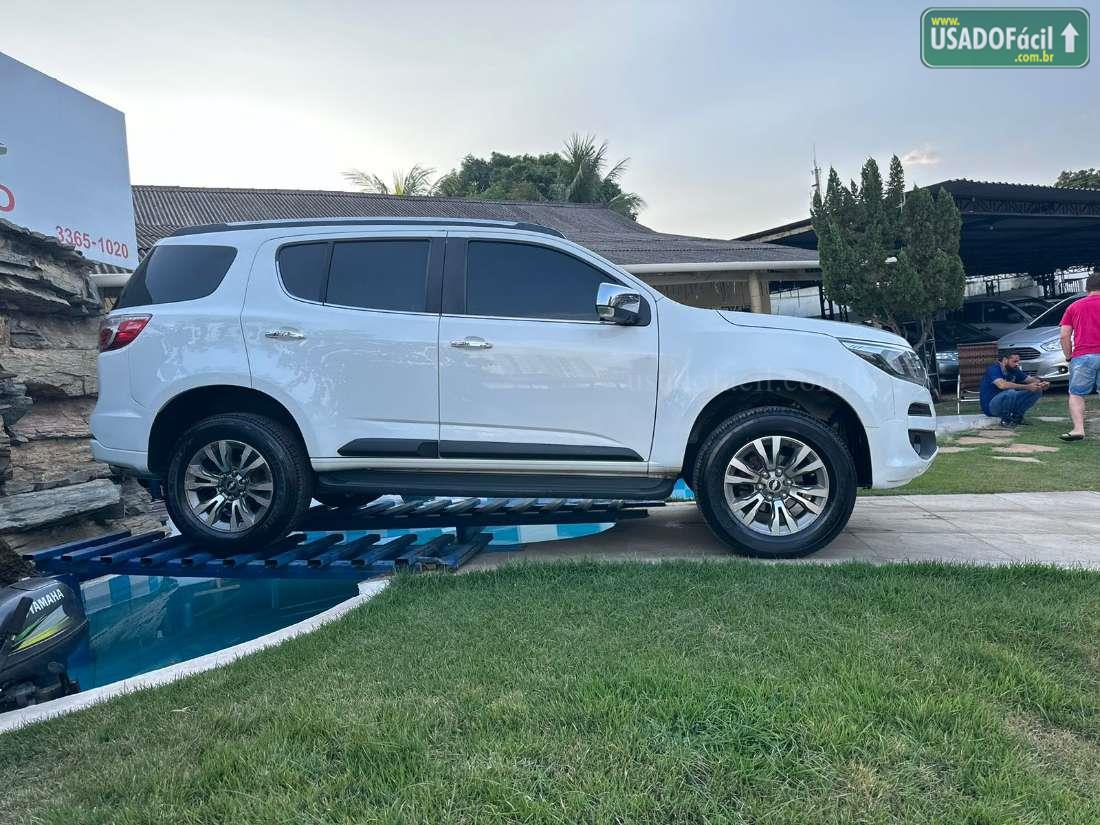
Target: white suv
{"type": "Point", "coordinates": [254, 366]}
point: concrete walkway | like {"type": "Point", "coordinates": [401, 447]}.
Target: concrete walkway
{"type": "Point", "coordinates": [1062, 529]}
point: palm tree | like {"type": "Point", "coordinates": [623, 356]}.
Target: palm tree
{"type": "Point", "coordinates": [417, 181]}
{"type": "Point", "coordinates": [585, 181]}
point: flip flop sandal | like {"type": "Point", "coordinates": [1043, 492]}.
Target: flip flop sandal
{"type": "Point", "coordinates": [1071, 437]}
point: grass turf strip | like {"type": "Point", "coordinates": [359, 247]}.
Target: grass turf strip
{"type": "Point", "coordinates": [731, 692]}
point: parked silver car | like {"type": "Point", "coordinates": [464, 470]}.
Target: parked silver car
{"type": "Point", "coordinates": [1039, 345]}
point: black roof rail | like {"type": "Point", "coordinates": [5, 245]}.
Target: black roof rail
{"type": "Point", "coordinates": [292, 223]}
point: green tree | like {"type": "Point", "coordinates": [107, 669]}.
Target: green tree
{"type": "Point", "coordinates": [891, 256]}
{"type": "Point", "coordinates": [586, 181]}
{"type": "Point", "coordinates": [580, 173]}
{"type": "Point", "coordinates": [1079, 179]}
{"type": "Point", "coordinates": [417, 181]}
{"type": "Point", "coordinates": [506, 177]}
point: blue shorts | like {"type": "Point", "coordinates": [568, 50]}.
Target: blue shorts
{"type": "Point", "coordinates": [1084, 374]}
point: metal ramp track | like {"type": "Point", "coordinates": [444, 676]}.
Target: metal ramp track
{"type": "Point", "coordinates": [332, 555]}
{"type": "Point", "coordinates": [475, 512]}
{"type": "Point", "coordinates": [296, 557]}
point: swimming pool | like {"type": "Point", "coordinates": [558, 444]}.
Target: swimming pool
{"type": "Point", "coordinates": [141, 623]}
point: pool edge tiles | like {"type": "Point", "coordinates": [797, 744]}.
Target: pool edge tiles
{"type": "Point", "coordinates": [47, 710]}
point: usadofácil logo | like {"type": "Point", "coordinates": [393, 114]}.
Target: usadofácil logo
{"type": "Point", "coordinates": [1004, 38]}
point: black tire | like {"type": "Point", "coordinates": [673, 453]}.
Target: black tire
{"type": "Point", "coordinates": [290, 472]}
{"type": "Point", "coordinates": [345, 499]}
{"type": "Point", "coordinates": [740, 430]}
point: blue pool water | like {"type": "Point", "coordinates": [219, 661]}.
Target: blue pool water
{"type": "Point", "coordinates": [141, 623]}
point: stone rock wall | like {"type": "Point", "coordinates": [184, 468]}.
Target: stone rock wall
{"type": "Point", "coordinates": [51, 489]}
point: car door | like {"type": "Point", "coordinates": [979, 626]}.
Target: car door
{"type": "Point", "coordinates": [527, 371]}
{"type": "Point", "coordinates": [344, 332]}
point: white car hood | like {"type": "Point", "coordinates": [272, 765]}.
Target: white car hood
{"type": "Point", "coordinates": [834, 329]}
{"type": "Point", "coordinates": [1029, 337]}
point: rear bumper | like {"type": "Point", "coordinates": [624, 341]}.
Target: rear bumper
{"type": "Point", "coordinates": [135, 461]}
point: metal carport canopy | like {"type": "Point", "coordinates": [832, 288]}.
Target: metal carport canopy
{"type": "Point", "coordinates": [1007, 227]}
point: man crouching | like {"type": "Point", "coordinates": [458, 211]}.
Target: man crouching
{"type": "Point", "coordinates": [1008, 392]}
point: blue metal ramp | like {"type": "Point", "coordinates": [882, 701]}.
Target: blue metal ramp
{"type": "Point", "coordinates": [331, 555]}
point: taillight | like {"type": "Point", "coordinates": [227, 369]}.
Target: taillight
{"type": "Point", "coordinates": [117, 332]}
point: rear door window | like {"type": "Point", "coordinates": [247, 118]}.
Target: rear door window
{"type": "Point", "coordinates": [384, 274]}
{"type": "Point", "coordinates": [177, 272]}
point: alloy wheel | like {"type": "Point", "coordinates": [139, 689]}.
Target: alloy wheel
{"type": "Point", "coordinates": [228, 485]}
{"type": "Point", "coordinates": [776, 485]}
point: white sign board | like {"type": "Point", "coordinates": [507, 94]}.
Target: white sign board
{"type": "Point", "coordinates": [63, 165]}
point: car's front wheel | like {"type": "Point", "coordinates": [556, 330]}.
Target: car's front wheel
{"type": "Point", "coordinates": [775, 483]}
{"type": "Point", "coordinates": [237, 482]}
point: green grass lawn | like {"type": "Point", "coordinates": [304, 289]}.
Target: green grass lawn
{"type": "Point", "coordinates": [667, 693]}
{"type": "Point", "coordinates": [1074, 467]}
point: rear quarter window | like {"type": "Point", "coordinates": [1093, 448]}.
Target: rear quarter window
{"type": "Point", "coordinates": [303, 268]}
{"type": "Point", "coordinates": [175, 273]}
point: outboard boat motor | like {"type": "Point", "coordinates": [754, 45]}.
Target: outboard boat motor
{"type": "Point", "coordinates": [41, 621]}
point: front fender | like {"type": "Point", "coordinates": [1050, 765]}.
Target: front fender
{"type": "Point", "coordinates": [717, 357]}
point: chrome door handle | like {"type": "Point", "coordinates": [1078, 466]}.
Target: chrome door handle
{"type": "Point", "coordinates": [472, 342]}
{"type": "Point", "coordinates": [284, 334]}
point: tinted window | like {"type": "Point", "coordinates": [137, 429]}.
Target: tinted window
{"type": "Point", "coordinates": [950, 334]}
{"type": "Point", "coordinates": [1031, 306]}
{"type": "Point", "coordinates": [302, 268]}
{"type": "Point", "coordinates": [524, 281]}
{"type": "Point", "coordinates": [972, 313]}
{"type": "Point", "coordinates": [379, 275]}
{"type": "Point", "coordinates": [177, 273]}
{"type": "Point", "coordinates": [999, 313]}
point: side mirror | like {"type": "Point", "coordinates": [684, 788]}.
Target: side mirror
{"type": "Point", "coordinates": [618, 305]}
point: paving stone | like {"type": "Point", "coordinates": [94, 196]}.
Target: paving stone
{"type": "Point", "coordinates": [1017, 458]}
{"type": "Point", "coordinates": [975, 441]}
{"type": "Point", "coordinates": [950, 450]}
{"type": "Point", "coordinates": [1025, 449]}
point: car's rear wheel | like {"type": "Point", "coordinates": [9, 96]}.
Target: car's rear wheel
{"type": "Point", "coordinates": [775, 483]}
{"type": "Point", "coordinates": [237, 482]}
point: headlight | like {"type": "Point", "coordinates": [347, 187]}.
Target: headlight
{"type": "Point", "coordinates": [900, 362]}
{"type": "Point", "coordinates": [1051, 346]}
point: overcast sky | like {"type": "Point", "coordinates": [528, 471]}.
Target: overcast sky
{"type": "Point", "coordinates": [717, 104]}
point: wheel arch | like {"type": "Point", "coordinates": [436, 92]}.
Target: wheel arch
{"type": "Point", "coordinates": [823, 404]}
{"type": "Point", "coordinates": [191, 406]}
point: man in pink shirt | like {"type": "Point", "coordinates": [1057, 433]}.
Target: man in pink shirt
{"type": "Point", "coordinates": [1081, 344]}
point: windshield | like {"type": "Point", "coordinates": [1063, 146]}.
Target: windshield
{"type": "Point", "coordinates": [1053, 316]}
{"type": "Point", "coordinates": [1032, 306]}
